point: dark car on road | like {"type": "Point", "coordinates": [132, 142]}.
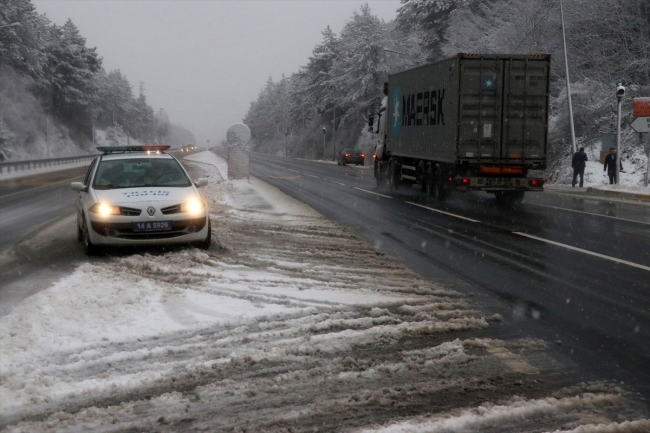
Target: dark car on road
{"type": "Point", "coordinates": [350, 157]}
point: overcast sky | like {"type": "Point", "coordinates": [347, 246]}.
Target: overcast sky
{"type": "Point", "coordinates": [205, 61]}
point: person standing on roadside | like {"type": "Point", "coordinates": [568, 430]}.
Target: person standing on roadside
{"type": "Point", "coordinates": [610, 165]}
{"type": "Point", "coordinates": [579, 162]}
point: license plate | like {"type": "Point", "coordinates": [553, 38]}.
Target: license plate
{"type": "Point", "coordinates": [498, 181]}
{"type": "Point", "coordinates": [152, 226]}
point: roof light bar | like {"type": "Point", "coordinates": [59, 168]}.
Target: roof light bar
{"type": "Point", "coordinates": [144, 148]}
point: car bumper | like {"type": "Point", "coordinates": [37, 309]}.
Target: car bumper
{"type": "Point", "coordinates": [122, 233]}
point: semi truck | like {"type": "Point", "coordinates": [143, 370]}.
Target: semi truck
{"type": "Point", "coordinates": [473, 122]}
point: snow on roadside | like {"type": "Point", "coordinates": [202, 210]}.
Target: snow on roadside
{"type": "Point", "coordinates": [289, 322]}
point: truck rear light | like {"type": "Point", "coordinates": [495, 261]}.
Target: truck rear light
{"type": "Point", "coordinates": [535, 182]}
{"type": "Point", "coordinates": [501, 169]}
{"type": "Point", "coordinates": [514, 155]}
{"type": "Point", "coordinates": [464, 181]}
{"type": "Point", "coordinates": [513, 169]}
{"type": "Point", "coordinates": [489, 169]}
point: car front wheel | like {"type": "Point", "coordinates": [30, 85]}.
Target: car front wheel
{"type": "Point", "coordinates": [205, 244]}
{"type": "Point", "coordinates": [89, 248]}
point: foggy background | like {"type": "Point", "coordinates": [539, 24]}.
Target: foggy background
{"type": "Point", "coordinates": [204, 62]}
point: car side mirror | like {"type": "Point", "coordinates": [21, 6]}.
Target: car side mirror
{"type": "Point", "coordinates": [202, 181]}
{"type": "Point", "coordinates": [77, 186]}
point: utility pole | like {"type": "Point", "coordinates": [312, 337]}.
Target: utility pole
{"type": "Point", "coordinates": [568, 84]}
{"type": "Point", "coordinates": [47, 135]}
{"type": "Point", "coordinates": [334, 133]}
{"type": "Point", "coordinates": [620, 92]}
{"type": "Point", "coordinates": [323, 143]}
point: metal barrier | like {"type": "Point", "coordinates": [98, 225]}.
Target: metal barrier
{"type": "Point", "coordinates": [38, 163]}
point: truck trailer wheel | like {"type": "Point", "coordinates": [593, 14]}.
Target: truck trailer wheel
{"type": "Point", "coordinates": [435, 185]}
{"type": "Point", "coordinates": [394, 181]}
{"type": "Point", "coordinates": [422, 176]}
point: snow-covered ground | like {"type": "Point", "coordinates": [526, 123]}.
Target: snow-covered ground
{"type": "Point", "coordinates": [635, 164]}
{"type": "Point", "coordinates": [288, 323]}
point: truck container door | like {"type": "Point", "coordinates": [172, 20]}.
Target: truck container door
{"type": "Point", "coordinates": [480, 114]}
{"type": "Point", "coordinates": [525, 109]}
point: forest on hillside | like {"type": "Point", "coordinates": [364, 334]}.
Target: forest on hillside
{"type": "Point", "coordinates": [608, 41]}
{"type": "Point", "coordinates": [54, 92]}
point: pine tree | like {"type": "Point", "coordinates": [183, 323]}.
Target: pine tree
{"type": "Point", "coordinates": [72, 66]}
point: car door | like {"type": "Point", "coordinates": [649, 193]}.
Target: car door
{"type": "Point", "coordinates": [82, 195]}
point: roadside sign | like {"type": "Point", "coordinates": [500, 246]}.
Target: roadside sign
{"type": "Point", "coordinates": [641, 124]}
{"type": "Point", "coordinates": [641, 107]}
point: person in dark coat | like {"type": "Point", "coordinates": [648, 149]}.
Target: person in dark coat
{"type": "Point", "coordinates": [610, 165]}
{"type": "Point", "coordinates": [579, 162]}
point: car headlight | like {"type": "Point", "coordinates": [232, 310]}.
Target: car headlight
{"type": "Point", "coordinates": [192, 206]}
{"type": "Point", "coordinates": [105, 209]}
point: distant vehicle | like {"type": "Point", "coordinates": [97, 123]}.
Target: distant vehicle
{"type": "Point", "coordinates": [470, 122]}
{"type": "Point", "coordinates": [138, 195]}
{"type": "Point", "coordinates": [349, 156]}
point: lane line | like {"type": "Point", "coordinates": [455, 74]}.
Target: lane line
{"type": "Point", "coordinates": [590, 213]}
{"type": "Point", "coordinates": [371, 192]}
{"type": "Point", "coordinates": [514, 361]}
{"type": "Point", "coordinates": [443, 212]}
{"type": "Point", "coordinates": [283, 177]}
{"type": "Point", "coordinates": [291, 169]}
{"type": "Point", "coordinates": [338, 183]}
{"type": "Point", "coordinates": [39, 187]}
{"type": "Point", "coordinates": [569, 247]}
{"type": "Point", "coordinates": [311, 175]}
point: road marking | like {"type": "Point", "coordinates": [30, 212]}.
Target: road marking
{"type": "Point", "coordinates": [283, 177]}
{"type": "Point", "coordinates": [515, 362]}
{"type": "Point", "coordinates": [39, 187]}
{"type": "Point", "coordinates": [331, 181]}
{"type": "Point", "coordinates": [569, 247]}
{"type": "Point", "coordinates": [371, 192]}
{"type": "Point", "coordinates": [311, 175]}
{"type": "Point", "coordinates": [443, 212]}
{"type": "Point", "coordinates": [590, 213]}
{"type": "Point", "coordinates": [291, 169]}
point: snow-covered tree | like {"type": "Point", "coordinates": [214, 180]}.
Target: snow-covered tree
{"type": "Point", "coordinates": [71, 66]}
{"type": "Point", "coordinates": [429, 20]}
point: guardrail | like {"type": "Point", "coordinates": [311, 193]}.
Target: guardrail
{"type": "Point", "coordinates": [38, 163]}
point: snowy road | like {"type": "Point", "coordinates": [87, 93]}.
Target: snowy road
{"type": "Point", "coordinates": [289, 323]}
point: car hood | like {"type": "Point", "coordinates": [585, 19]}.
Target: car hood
{"type": "Point", "coordinates": [141, 195]}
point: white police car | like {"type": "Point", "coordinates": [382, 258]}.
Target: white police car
{"type": "Point", "coordinates": [138, 195]}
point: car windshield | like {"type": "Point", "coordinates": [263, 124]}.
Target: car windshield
{"type": "Point", "coordinates": [140, 172]}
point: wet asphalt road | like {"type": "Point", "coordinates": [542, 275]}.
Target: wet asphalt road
{"type": "Point", "coordinates": [582, 282]}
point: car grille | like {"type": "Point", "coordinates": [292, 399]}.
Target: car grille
{"type": "Point", "coordinates": [129, 211]}
{"type": "Point", "coordinates": [125, 230]}
{"type": "Point", "coordinates": [171, 210]}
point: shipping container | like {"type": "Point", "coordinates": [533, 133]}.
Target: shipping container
{"type": "Point", "coordinates": [464, 122]}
